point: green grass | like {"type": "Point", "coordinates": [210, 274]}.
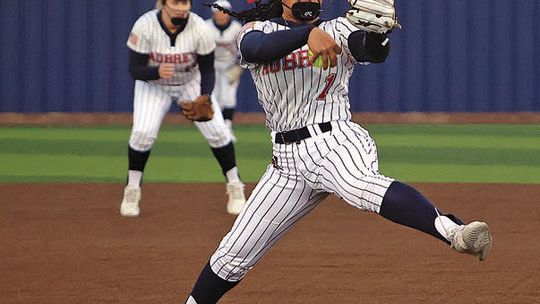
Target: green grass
{"type": "Point", "coordinates": [413, 153]}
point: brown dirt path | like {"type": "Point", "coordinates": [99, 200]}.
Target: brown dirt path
{"type": "Point", "coordinates": [56, 119]}
{"type": "Point", "coordinates": [68, 244]}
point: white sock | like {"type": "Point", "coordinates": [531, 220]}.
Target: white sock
{"type": "Point", "coordinates": [228, 122]}
{"type": "Point", "coordinates": [445, 226]}
{"type": "Point", "coordinates": [134, 178]}
{"type": "Point", "coordinates": [232, 175]}
{"type": "Point", "coordinates": [191, 300]}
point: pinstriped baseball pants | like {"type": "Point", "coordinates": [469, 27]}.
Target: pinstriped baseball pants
{"type": "Point", "coordinates": [342, 161]}
{"type": "Point", "coordinates": [152, 102]}
{"type": "Point", "coordinates": [224, 92]}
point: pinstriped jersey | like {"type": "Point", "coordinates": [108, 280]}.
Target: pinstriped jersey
{"type": "Point", "coordinates": [294, 93]}
{"type": "Point", "coordinates": [149, 37]}
{"type": "Point", "coordinates": [226, 54]}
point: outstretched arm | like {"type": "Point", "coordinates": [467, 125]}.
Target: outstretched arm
{"type": "Point", "coordinates": [258, 47]}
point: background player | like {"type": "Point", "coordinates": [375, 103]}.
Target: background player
{"type": "Point", "coordinates": [317, 150]}
{"type": "Point", "coordinates": [228, 69]}
{"type": "Point", "coordinates": [172, 59]}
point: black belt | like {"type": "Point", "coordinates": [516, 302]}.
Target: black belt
{"type": "Point", "coordinates": [297, 135]}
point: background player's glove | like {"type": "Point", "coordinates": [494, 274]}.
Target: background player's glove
{"type": "Point", "coordinates": [234, 73]}
{"type": "Point", "coordinates": [198, 110]}
{"type": "Point", "coordinates": [378, 16]}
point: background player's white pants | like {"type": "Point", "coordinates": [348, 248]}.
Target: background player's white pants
{"type": "Point", "coordinates": [152, 102]}
{"type": "Point", "coordinates": [343, 162]}
{"type": "Point", "coordinates": [224, 92]}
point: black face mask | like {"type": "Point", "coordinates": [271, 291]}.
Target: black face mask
{"type": "Point", "coordinates": [179, 21]}
{"type": "Point", "coordinates": [306, 11]}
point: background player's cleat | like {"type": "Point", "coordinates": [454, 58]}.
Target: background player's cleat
{"type": "Point", "coordinates": [237, 199]}
{"type": "Point", "coordinates": [130, 202]}
{"type": "Point", "coordinates": [473, 238]}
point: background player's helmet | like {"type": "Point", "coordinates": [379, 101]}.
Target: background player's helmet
{"type": "Point", "coordinates": [223, 3]}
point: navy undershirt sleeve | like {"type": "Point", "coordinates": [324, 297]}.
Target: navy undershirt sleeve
{"type": "Point", "coordinates": [368, 47]}
{"type": "Point", "coordinates": [258, 47]}
{"type": "Point", "coordinates": [208, 74]}
{"type": "Point", "coordinates": [139, 69]}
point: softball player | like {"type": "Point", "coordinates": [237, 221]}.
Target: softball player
{"type": "Point", "coordinates": [228, 70]}
{"type": "Point", "coordinates": [172, 60]}
{"type": "Point", "coordinates": [317, 150]}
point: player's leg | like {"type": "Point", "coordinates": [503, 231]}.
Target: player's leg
{"type": "Point", "coordinates": [351, 171]}
{"type": "Point", "coordinates": [225, 95]}
{"type": "Point", "coordinates": [149, 107]}
{"type": "Point", "coordinates": [278, 201]}
{"type": "Point", "coordinates": [220, 140]}
{"type": "Point", "coordinates": [228, 114]}
{"type": "Point", "coordinates": [229, 104]}
{"type": "Point", "coordinates": [405, 205]}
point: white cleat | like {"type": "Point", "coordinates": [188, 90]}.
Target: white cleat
{"type": "Point", "coordinates": [237, 199]}
{"type": "Point", "coordinates": [130, 202]}
{"type": "Point", "coordinates": [473, 238]}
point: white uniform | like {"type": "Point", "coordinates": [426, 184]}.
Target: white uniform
{"type": "Point", "coordinates": [153, 99]}
{"type": "Point", "coordinates": [341, 161]}
{"type": "Point", "coordinates": [226, 57]}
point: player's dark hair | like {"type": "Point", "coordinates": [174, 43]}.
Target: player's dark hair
{"type": "Point", "coordinates": [261, 11]}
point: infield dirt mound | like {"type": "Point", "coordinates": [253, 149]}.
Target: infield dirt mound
{"type": "Point", "coordinates": [68, 244]}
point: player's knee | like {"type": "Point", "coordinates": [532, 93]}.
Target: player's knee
{"type": "Point", "coordinates": [228, 103]}
{"type": "Point", "coordinates": [219, 138]}
{"type": "Point", "coordinates": [230, 266]}
{"type": "Point", "coordinates": [142, 141]}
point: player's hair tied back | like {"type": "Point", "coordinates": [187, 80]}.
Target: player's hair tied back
{"type": "Point", "coordinates": [261, 11]}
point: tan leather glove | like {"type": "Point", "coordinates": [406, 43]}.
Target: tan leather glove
{"type": "Point", "coordinates": [199, 109]}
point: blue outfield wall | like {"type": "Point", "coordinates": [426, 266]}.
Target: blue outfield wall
{"type": "Point", "coordinates": [451, 56]}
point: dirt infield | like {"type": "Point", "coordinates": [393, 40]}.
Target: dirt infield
{"type": "Point", "coordinates": [68, 244]}
{"type": "Point", "coordinates": [55, 119]}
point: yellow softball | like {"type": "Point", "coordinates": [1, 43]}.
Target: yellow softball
{"type": "Point", "coordinates": [318, 62]}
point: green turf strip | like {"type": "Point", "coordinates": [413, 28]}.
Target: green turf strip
{"type": "Point", "coordinates": [441, 140]}
{"type": "Point", "coordinates": [414, 153]}
{"type": "Point", "coordinates": [107, 168]}
{"type": "Point", "coordinates": [169, 173]}
{"type": "Point", "coordinates": [388, 152]}
{"type": "Point", "coordinates": [177, 148]}
{"type": "Point", "coordinates": [458, 130]}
